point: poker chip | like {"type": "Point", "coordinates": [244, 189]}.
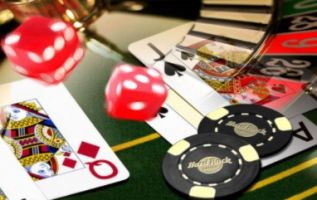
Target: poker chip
{"type": "Point", "coordinates": [267, 130]}
{"type": "Point", "coordinates": [211, 166]}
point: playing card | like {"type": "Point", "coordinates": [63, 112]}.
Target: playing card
{"type": "Point", "coordinates": [213, 49]}
{"type": "Point", "coordinates": [214, 72]}
{"type": "Point", "coordinates": [171, 125]}
{"type": "Point", "coordinates": [154, 48]}
{"type": "Point", "coordinates": [3, 196]}
{"type": "Point", "coordinates": [305, 137]}
{"type": "Point", "coordinates": [35, 136]}
{"type": "Point", "coordinates": [302, 104]}
{"type": "Point", "coordinates": [15, 183]}
{"type": "Point", "coordinates": [272, 92]}
{"type": "Point", "coordinates": [189, 86]}
{"type": "Point", "coordinates": [55, 142]}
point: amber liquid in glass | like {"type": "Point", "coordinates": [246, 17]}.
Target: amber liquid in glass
{"type": "Point", "coordinates": [79, 12]}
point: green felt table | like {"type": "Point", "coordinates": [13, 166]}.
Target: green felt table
{"type": "Point", "coordinates": [137, 144]}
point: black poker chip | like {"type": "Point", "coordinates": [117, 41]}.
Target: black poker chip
{"type": "Point", "coordinates": [267, 130]}
{"type": "Point", "coordinates": [211, 166]}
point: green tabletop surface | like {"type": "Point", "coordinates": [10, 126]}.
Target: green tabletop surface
{"type": "Point", "coordinates": [139, 147]}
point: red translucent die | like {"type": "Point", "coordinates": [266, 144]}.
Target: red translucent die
{"type": "Point", "coordinates": [135, 93]}
{"type": "Point", "coordinates": [43, 48]}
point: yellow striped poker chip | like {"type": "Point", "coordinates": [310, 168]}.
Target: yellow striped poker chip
{"type": "Point", "coordinates": [267, 130]}
{"type": "Point", "coordinates": [206, 166]}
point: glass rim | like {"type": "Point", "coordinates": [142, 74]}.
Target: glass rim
{"type": "Point", "coordinates": [18, 2]}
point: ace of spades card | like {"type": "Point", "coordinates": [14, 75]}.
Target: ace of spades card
{"type": "Point", "coordinates": [54, 141]}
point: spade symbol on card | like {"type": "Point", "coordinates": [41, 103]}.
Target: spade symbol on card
{"type": "Point", "coordinates": [172, 69]}
{"type": "Point", "coordinates": [162, 112]}
{"type": "Point", "coordinates": [186, 56]}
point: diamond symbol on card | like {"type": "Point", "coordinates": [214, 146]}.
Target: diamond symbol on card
{"type": "Point", "coordinates": [69, 163]}
{"type": "Point", "coordinates": [66, 154]}
{"type": "Point", "coordinates": [89, 150]}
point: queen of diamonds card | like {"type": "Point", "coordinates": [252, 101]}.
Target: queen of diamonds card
{"type": "Point", "coordinates": [36, 141]}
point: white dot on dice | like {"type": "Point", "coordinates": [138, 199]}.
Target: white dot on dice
{"type": "Point", "coordinates": [126, 68]}
{"type": "Point", "coordinates": [58, 26]}
{"type": "Point", "coordinates": [118, 90]}
{"type": "Point", "coordinates": [21, 70]}
{"type": "Point", "coordinates": [12, 39]}
{"type": "Point", "coordinates": [130, 85]}
{"type": "Point", "coordinates": [153, 73]}
{"type": "Point", "coordinates": [69, 34]}
{"type": "Point", "coordinates": [34, 57]}
{"type": "Point", "coordinates": [137, 106]}
{"type": "Point", "coordinates": [47, 78]}
{"type": "Point", "coordinates": [69, 63]}
{"type": "Point", "coordinates": [158, 89]}
{"type": "Point", "coordinates": [59, 74]}
{"type": "Point", "coordinates": [48, 53]}
{"type": "Point", "coordinates": [59, 43]}
{"type": "Point", "coordinates": [142, 78]}
{"type": "Point", "coordinates": [79, 53]}
{"type": "Point", "coordinates": [9, 50]}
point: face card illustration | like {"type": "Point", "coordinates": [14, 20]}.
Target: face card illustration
{"type": "Point", "coordinates": [53, 140]}
{"type": "Point", "coordinates": [3, 196]}
{"type": "Point", "coordinates": [271, 92]}
{"type": "Point", "coordinates": [213, 49]}
{"type": "Point", "coordinates": [232, 82]}
{"type": "Point", "coordinates": [214, 61]}
{"type": "Point", "coordinates": [214, 72]}
{"type": "Point", "coordinates": [217, 74]}
{"type": "Point", "coordinates": [36, 141]}
{"type": "Point", "coordinates": [15, 182]}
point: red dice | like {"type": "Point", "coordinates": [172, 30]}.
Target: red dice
{"type": "Point", "coordinates": [135, 93]}
{"type": "Point", "coordinates": [43, 48]}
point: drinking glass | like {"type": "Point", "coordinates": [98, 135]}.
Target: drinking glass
{"type": "Point", "coordinates": [80, 13]}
